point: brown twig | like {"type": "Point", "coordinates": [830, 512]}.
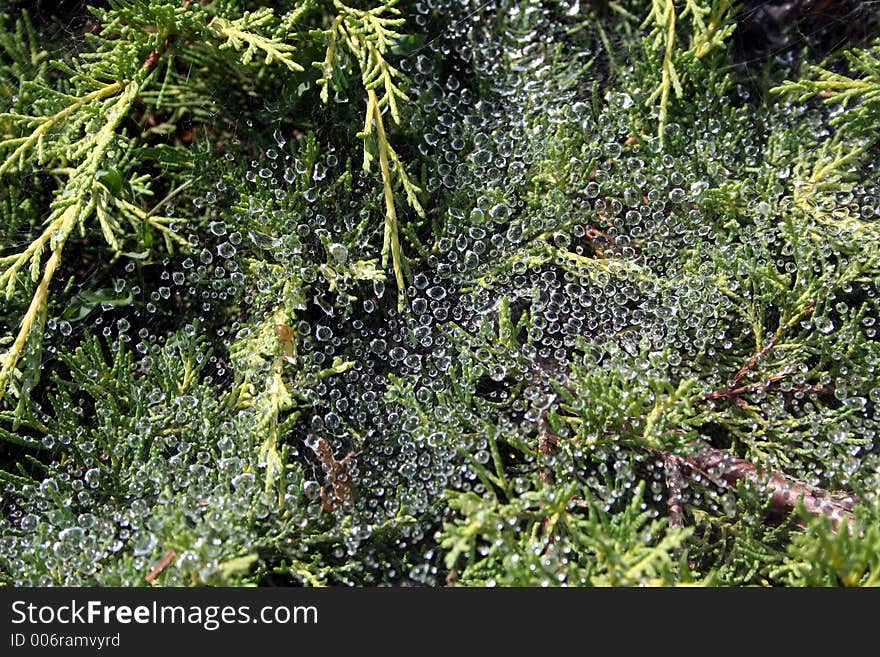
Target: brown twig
{"type": "Point", "coordinates": [162, 565]}
{"type": "Point", "coordinates": [750, 363]}
{"type": "Point", "coordinates": [674, 486]}
{"type": "Point", "coordinates": [774, 383]}
{"type": "Point", "coordinates": [784, 492]}
{"type": "Point", "coordinates": [546, 441]}
{"type": "Point", "coordinates": [596, 237]}
{"type": "Point", "coordinates": [153, 58]}
{"type": "Point", "coordinates": [734, 390]}
{"type": "Point", "coordinates": [339, 488]}
{"type": "Point", "coordinates": [726, 470]}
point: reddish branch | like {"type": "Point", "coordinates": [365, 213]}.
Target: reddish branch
{"type": "Point", "coordinates": [162, 565]}
{"type": "Point", "coordinates": [774, 383]}
{"type": "Point", "coordinates": [674, 485]}
{"type": "Point", "coordinates": [338, 490]}
{"type": "Point", "coordinates": [597, 238]}
{"type": "Point", "coordinates": [734, 390]}
{"type": "Point", "coordinates": [784, 492]}
{"type": "Point", "coordinates": [153, 58]}
{"type": "Point", "coordinates": [546, 441]}
{"type": "Point", "coordinates": [750, 363]}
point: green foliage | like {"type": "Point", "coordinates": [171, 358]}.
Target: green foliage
{"type": "Point", "coordinates": [541, 540]}
{"type": "Point", "coordinates": [711, 24]}
{"type": "Point", "coordinates": [85, 113]}
{"type": "Point", "coordinates": [606, 314]}
{"type": "Point", "coordinates": [857, 94]}
{"type": "Point", "coordinates": [368, 36]}
{"type": "Point", "coordinates": [822, 556]}
{"type": "Point", "coordinates": [855, 103]}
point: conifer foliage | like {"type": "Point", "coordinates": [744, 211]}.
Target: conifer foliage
{"type": "Point", "coordinates": [515, 292]}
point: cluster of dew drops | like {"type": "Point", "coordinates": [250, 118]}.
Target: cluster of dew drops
{"type": "Point", "coordinates": [483, 138]}
{"type": "Point", "coordinates": [486, 123]}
